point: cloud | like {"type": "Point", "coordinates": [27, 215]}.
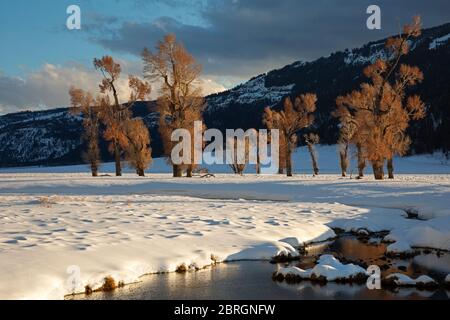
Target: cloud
{"type": "Point", "coordinates": [48, 87]}
{"type": "Point", "coordinates": [243, 38]}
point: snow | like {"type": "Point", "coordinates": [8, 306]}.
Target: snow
{"type": "Point", "coordinates": [404, 280]}
{"type": "Point", "coordinates": [400, 246]}
{"type": "Point", "coordinates": [252, 91]}
{"type": "Point", "coordinates": [327, 160]}
{"type": "Point", "coordinates": [355, 58]}
{"type": "Point", "coordinates": [127, 236]}
{"type": "Point", "coordinates": [296, 272]}
{"type": "Point", "coordinates": [327, 267]}
{"type": "Point", "coordinates": [447, 279]}
{"type": "Point", "coordinates": [55, 218]}
{"type": "Point", "coordinates": [439, 41]}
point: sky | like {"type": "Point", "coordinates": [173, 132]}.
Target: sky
{"type": "Point", "coordinates": [234, 40]}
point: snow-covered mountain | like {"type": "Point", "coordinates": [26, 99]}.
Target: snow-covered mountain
{"type": "Point", "coordinates": [53, 136]}
{"type": "Point", "coordinates": [338, 74]}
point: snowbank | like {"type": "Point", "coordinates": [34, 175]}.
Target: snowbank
{"type": "Point", "coordinates": [328, 268]}
{"type": "Point", "coordinates": [404, 233]}
{"type": "Point", "coordinates": [129, 226]}
{"type": "Point", "coordinates": [51, 246]}
{"type": "Point", "coordinates": [403, 280]}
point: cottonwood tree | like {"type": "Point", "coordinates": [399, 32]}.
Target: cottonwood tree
{"type": "Point", "coordinates": [295, 115]}
{"type": "Point", "coordinates": [138, 152]}
{"type": "Point", "coordinates": [83, 103]}
{"type": "Point", "coordinates": [180, 102]}
{"type": "Point", "coordinates": [382, 108]}
{"type": "Point", "coordinates": [236, 166]}
{"type": "Point", "coordinates": [267, 120]}
{"type": "Point", "coordinates": [282, 154]}
{"type": "Point", "coordinates": [114, 114]}
{"type": "Point", "coordinates": [348, 136]}
{"type": "Point", "coordinates": [311, 140]}
{"type": "Point", "coordinates": [258, 159]}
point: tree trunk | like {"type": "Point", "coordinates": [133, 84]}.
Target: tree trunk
{"type": "Point", "coordinates": [281, 160]}
{"type": "Point", "coordinates": [189, 171]}
{"type": "Point", "coordinates": [361, 161]}
{"type": "Point", "coordinates": [177, 171]}
{"type": "Point", "coordinates": [117, 159]}
{"type": "Point", "coordinates": [390, 167]}
{"type": "Point", "coordinates": [258, 164]}
{"type": "Point", "coordinates": [288, 161]}
{"type": "Point", "coordinates": [140, 172]}
{"type": "Point", "coordinates": [378, 170]}
{"type": "Point", "coordinates": [94, 169]}
{"type": "Point", "coordinates": [313, 159]}
{"type": "Point", "coordinates": [343, 155]}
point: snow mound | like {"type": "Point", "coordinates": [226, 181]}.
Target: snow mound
{"type": "Point", "coordinates": [295, 272]}
{"type": "Point", "coordinates": [399, 247]}
{"type": "Point", "coordinates": [403, 280]}
{"type": "Point", "coordinates": [328, 268]}
{"type": "Point", "coordinates": [265, 251]}
{"type": "Point", "coordinates": [404, 234]}
{"type": "Point", "coordinates": [332, 269]}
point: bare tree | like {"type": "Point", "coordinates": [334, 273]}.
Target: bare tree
{"type": "Point", "coordinates": [381, 108]}
{"type": "Point", "coordinates": [348, 136]}
{"type": "Point", "coordinates": [113, 114]}
{"type": "Point", "coordinates": [138, 152]}
{"type": "Point", "coordinates": [290, 120]}
{"type": "Point", "coordinates": [84, 103]}
{"type": "Point", "coordinates": [311, 140]}
{"type": "Point", "coordinates": [180, 102]}
{"type": "Point", "coordinates": [239, 168]}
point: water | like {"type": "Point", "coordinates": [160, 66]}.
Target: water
{"type": "Point", "coordinates": [252, 279]}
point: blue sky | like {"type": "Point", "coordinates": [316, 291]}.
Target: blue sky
{"type": "Point", "coordinates": [233, 39]}
{"type": "Point", "coordinates": [34, 32]}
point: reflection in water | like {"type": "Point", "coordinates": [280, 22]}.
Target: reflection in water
{"type": "Point", "coordinates": [252, 279]}
{"type": "Point", "coordinates": [372, 252]}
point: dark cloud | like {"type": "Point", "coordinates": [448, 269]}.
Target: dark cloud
{"type": "Point", "coordinates": [240, 38]}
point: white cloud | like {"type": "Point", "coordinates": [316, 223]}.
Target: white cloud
{"type": "Point", "coordinates": [210, 86]}
{"type": "Point", "coordinates": [48, 87]}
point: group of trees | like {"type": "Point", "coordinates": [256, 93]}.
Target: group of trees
{"type": "Point", "coordinates": [179, 104]}
{"type": "Point", "coordinates": [126, 135]}
{"type": "Point", "coordinates": [373, 119]}
{"type": "Point", "coordinates": [294, 116]}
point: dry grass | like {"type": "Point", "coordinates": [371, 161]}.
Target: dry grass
{"type": "Point", "coordinates": [214, 258]}
{"type": "Point", "coordinates": [109, 284]}
{"type": "Point", "coordinates": [182, 268]}
{"type": "Point", "coordinates": [49, 201]}
{"type": "Point", "coordinates": [88, 290]}
{"type": "Point", "coordinates": [46, 202]}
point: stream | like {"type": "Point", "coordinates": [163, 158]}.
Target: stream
{"type": "Point", "coordinates": [252, 279]}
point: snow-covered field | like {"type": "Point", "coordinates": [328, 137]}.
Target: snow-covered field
{"type": "Point", "coordinates": [52, 219]}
